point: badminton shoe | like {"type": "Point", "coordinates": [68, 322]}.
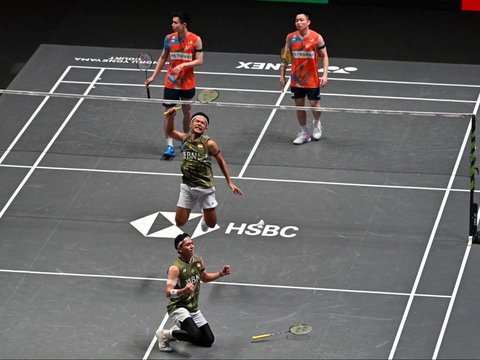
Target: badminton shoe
{"type": "Point", "coordinates": [302, 138]}
{"type": "Point", "coordinates": [204, 225]}
{"type": "Point", "coordinates": [317, 131]}
{"type": "Point", "coordinates": [169, 152]}
{"type": "Point", "coordinates": [163, 341]}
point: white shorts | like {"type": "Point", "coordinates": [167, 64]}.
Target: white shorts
{"type": "Point", "coordinates": [189, 196]}
{"type": "Point", "coordinates": [181, 314]}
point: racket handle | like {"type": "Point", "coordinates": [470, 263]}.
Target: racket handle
{"type": "Point", "coordinates": [259, 337]}
{"type": "Point", "coordinates": [148, 92]}
{"type": "Point", "coordinates": [176, 108]}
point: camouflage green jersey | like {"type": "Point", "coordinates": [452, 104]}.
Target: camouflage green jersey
{"type": "Point", "coordinates": [188, 273]}
{"type": "Point", "coordinates": [197, 163]}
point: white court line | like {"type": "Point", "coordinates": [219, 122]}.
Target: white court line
{"type": "Point", "coordinates": [264, 130]}
{"type": "Point", "coordinates": [49, 145]}
{"type": "Point", "coordinates": [277, 76]}
{"type": "Point", "coordinates": [34, 115]}
{"type": "Point", "coordinates": [429, 244]}
{"type": "Point", "coordinates": [460, 272]}
{"type": "Point", "coordinates": [249, 178]}
{"type": "Point", "coordinates": [225, 283]}
{"type": "Point", "coordinates": [154, 340]}
{"type": "Point", "coordinates": [383, 97]}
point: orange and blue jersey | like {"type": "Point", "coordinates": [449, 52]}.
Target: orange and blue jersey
{"type": "Point", "coordinates": [180, 51]}
{"type": "Point", "coordinates": [304, 70]}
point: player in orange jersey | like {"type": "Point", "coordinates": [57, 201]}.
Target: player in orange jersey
{"type": "Point", "coordinates": [183, 50]}
{"type": "Point", "coordinates": [306, 47]}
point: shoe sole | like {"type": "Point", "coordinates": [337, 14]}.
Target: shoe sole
{"type": "Point", "coordinates": [302, 142]}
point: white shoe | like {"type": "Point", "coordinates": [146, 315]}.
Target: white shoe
{"type": "Point", "coordinates": [317, 131]}
{"type": "Point", "coordinates": [204, 225]}
{"type": "Point", "coordinates": [163, 341]}
{"type": "Point", "coordinates": [302, 138]}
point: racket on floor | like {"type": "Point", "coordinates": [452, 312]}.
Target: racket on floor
{"type": "Point", "coordinates": [203, 97]}
{"type": "Point", "coordinates": [286, 55]}
{"type": "Point", "coordinates": [145, 63]}
{"type": "Point", "coordinates": [299, 329]}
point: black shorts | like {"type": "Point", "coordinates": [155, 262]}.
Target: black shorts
{"type": "Point", "coordinates": [177, 94]}
{"type": "Point", "coordinates": [310, 93]}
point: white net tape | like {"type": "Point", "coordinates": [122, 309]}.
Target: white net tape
{"type": "Point", "coordinates": [229, 104]}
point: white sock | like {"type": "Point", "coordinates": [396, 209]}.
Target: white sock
{"type": "Point", "coordinates": [170, 141]}
{"type": "Point", "coordinates": [305, 129]}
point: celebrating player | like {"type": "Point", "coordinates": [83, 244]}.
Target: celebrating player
{"type": "Point", "coordinates": [197, 181]}
{"type": "Point", "coordinates": [183, 290]}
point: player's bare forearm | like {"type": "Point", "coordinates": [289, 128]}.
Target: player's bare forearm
{"type": "Point", "coordinates": [226, 173]}
{"type": "Point", "coordinates": [212, 276]}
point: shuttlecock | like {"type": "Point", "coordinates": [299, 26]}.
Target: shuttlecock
{"type": "Point", "coordinates": [260, 224]}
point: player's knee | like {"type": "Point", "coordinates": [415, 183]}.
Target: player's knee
{"type": "Point", "coordinates": [206, 340]}
{"type": "Point", "coordinates": [196, 335]}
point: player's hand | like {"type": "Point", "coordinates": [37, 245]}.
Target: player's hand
{"type": "Point", "coordinates": [323, 81]}
{"type": "Point", "coordinates": [148, 81]}
{"type": "Point", "coordinates": [236, 190]}
{"type": "Point", "coordinates": [178, 69]}
{"type": "Point", "coordinates": [226, 270]}
{"type": "Point", "coordinates": [189, 288]}
{"type": "Point", "coordinates": [282, 82]}
{"type": "Point", "coordinates": [170, 111]}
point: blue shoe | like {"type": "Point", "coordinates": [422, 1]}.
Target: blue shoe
{"type": "Point", "coordinates": [169, 152]}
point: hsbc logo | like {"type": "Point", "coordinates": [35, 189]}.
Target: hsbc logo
{"type": "Point", "coordinates": [262, 229]}
{"type": "Point", "coordinates": [161, 224]}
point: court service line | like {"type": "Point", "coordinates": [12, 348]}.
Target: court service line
{"type": "Point", "coordinates": [460, 272]}
{"type": "Point", "coordinates": [225, 283]}
{"type": "Point", "coordinates": [429, 243]}
{"type": "Point", "coordinates": [247, 178]}
{"type": "Point", "coordinates": [267, 91]}
{"type": "Point", "coordinates": [49, 145]}
{"type": "Point", "coordinates": [400, 82]}
{"type": "Point", "coordinates": [34, 115]}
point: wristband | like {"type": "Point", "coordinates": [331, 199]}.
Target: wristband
{"type": "Point", "coordinates": [173, 293]}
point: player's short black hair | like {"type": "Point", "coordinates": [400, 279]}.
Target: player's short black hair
{"type": "Point", "coordinates": [306, 13]}
{"type": "Point", "coordinates": [201, 114]}
{"type": "Point", "coordinates": [183, 16]}
{"type": "Point", "coordinates": [179, 240]}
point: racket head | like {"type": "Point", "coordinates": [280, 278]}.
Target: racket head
{"type": "Point", "coordinates": [300, 329]}
{"type": "Point", "coordinates": [144, 61]}
{"type": "Point", "coordinates": [207, 95]}
{"type": "Point", "coordinates": [286, 55]}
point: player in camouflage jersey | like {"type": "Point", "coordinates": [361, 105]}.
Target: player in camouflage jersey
{"type": "Point", "coordinates": [183, 290]}
{"type": "Point", "coordinates": [197, 181]}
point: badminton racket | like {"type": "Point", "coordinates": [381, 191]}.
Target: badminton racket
{"type": "Point", "coordinates": [203, 97]}
{"type": "Point", "coordinates": [299, 329]}
{"type": "Point", "coordinates": [286, 55]}
{"type": "Point", "coordinates": [145, 63]}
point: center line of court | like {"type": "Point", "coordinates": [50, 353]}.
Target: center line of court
{"type": "Point", "coordinates": [265, 127]}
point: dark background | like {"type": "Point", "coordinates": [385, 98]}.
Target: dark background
{"type": "Point", "coordinates": [408, 30]}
